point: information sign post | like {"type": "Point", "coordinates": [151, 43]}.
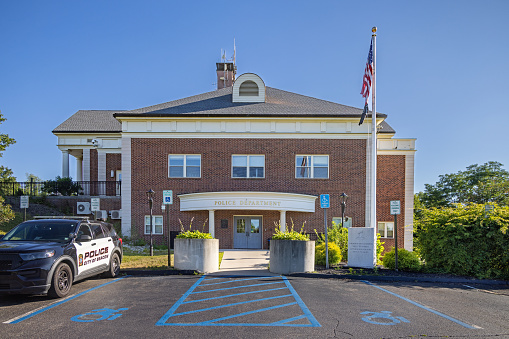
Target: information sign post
{"type": "Point", "coordinates": [395, 210]}
{"type": "Point", "coordinates": [23, 203]}
{"type": "Point", "coordinates": [325, 203]}
{"type": "Point", "coordinates": [95, 205]}
{"type": "Point", "coordinates": [168, 200]}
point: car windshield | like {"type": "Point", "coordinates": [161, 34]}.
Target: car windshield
{"type": "Point", "coordinates": [41, 231]}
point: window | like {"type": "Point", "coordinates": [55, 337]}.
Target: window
{"type": "Point", "coordinates": [248, 166]}
{"type": "Point", "coordinates": [97, 230]}
{"type": "Point", "coordinates": [184, 166]}
{"type": "Point", "coordinates": [248, 88]}
{"type": "Point", "coordinates": [157, 224]}
{"type": "Point", "coordinates": [386, 229]}
{"type": "Point", "coordinates": [312, 166]}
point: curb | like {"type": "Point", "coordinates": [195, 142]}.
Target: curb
{"type": "Point", "coordinates": [402, 279]}
{"type": "Point", "coordinates": [337, 276]}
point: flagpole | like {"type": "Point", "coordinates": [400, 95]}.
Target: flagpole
{"type": "Point", "coordinates": [373, 136]}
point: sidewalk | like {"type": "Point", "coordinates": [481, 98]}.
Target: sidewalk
{"type": "Point", "coordinates": [245, 262]}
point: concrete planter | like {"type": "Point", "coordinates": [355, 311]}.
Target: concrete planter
{"type": "Point", "coordinates": [201, 255]}
{"type": "Point", "coordinates": [292, 256]}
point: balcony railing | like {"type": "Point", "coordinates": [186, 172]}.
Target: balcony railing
{"type": "Point", "coordinates": [34, 188]}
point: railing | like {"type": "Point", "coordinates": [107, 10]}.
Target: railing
{"type": "Point", "coordinates": [34, 188]}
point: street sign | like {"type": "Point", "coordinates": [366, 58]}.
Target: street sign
{"type": "Point", "coordinates": [168, 197]}
{"type": "Point", "coordinates": [23, 201]}
{"type": "Point", "coordinates": [95, 204]}
{"type": "Point", "coordinates": [395, 207]}
{"type": "Point", "coordinates": [324, 201]}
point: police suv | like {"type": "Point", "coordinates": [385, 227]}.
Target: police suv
{"type": "Point", "coordinates": [48, 255]}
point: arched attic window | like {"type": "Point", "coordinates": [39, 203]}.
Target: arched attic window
{"type": "Point", "coordinates": [249, 88]}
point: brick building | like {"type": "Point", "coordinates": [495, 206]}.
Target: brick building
{"type": "Point", "coordinates": [240, 160]}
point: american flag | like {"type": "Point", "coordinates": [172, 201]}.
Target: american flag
{"type": "Point", "coordinates": [366, 81]}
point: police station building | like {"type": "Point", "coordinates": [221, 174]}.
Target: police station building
{"type": "Point", "coordinates": [241, 160]}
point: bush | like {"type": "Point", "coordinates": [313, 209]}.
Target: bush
{"type": "Point", "coordinates": [194, 235]}
{"type": "Point", "coordinates": [63, 186]}
{"type": "Point", "coordinates": [290, 234]}
{"type": "Point", "coordinates": [334, 254]}
{"type": "Point", "coordinates": [465, 240]}
{"type": "Point", "coordinates": [336, 235]}
{"type": "Point", "coordinates": [407, 261]}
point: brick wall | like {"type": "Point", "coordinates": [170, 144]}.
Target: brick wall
{"type": "Point", "coordinates": [347, 167]}
{"type": "Point", "coordinates": [391, 186]}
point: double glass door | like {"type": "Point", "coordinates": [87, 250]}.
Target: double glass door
{"type": "Point", "coordinates": [248, 232]}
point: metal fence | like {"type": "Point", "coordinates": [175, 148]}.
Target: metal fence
{"type": "Point", "coordinates": [34, 188]}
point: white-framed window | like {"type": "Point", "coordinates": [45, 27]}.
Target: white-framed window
{"type": "Point", "coordinates": [248, 166]}
{"type": "Point", "coordinates": [184, 166]}
{"type": "Point", "coordinates": [312, 166]}
{"type": "Point", "coordinates": [386, 229]}
{"type": "Point", "coordinates": [157, 224]}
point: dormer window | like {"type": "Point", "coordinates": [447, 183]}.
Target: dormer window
{"type": "Point", "coordinates": [248, 87]}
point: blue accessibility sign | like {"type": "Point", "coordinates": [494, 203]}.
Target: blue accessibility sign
{"type": "Point", "coordinates": [324, 201]}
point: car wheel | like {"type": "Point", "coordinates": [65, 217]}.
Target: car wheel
{"type": "Point", "coordinates": [114, 266]}
{"type": "Point", "coordinates": [61, 282]}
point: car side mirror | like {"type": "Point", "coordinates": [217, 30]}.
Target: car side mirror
{"type": "Point", "coordinates": [85, 238]}
{"type": "Point", "coordinates": [72, 236]}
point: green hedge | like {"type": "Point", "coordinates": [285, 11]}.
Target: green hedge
{"type": "Point", "coordinates": [407, 261]}
{"type": "Point", "coordinates": [465, 240]}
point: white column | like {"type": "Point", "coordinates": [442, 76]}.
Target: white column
{"type": "Point", "coordinates": [79, 168]}
{"type": "Point", "coordinates": [211, 223]}
{"type": "Point", "coordinates": [86, 171]}
{"type": "Point", "coordinates": [101, 171]}
{"type": "Point", "coordinates": [282, 220]}
{"type": "Point", "coordinates": [65, 164]}
{"type": "Point", "coordinates": [126, 186]}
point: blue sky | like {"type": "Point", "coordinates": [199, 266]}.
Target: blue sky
{"type": "Point", "coordinates": [441, 76]}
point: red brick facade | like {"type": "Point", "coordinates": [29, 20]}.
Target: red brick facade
{"type": "Point", "coordinates": [347, 173]}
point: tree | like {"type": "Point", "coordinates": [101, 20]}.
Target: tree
{"type": "Point", "coordinates": [479, 184]}
{"type": "Point", "coordinates": [6, 174]}
{"type": "Point", "coordinates": [5, 141]}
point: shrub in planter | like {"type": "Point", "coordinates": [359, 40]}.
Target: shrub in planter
{"type": "Point", "coordinates": [334, 254]}
{"type": "Point", "coordinates": [407, 261]}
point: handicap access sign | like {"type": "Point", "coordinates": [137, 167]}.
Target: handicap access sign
{"type": "Point", "coordinates": [168, 197]}
{"type": "Point", "coordinates": [324, 201]}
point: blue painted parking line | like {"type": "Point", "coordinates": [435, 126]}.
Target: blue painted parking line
{"type": "Point", "coordinates": [279, 306]}
{"type": "Point", "coordinates": [39, 311]}
{"type": "Point", "coordinates": [424, 307]}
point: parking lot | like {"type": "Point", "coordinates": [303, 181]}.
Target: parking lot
{"type": "Point", "coordinates": [246, 306]}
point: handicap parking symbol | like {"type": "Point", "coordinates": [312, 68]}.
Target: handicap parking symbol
{"type": "Point", "coordinates": [385, 318]}
{"type": "Point", "coordinates": [97, 315]}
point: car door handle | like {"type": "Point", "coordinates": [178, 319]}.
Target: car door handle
{"type": "Point", "coordinates": [109, 239]}
{"type": "Point", "coordinates": [93, 244]}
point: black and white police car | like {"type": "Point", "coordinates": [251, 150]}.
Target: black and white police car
{"type": "Point", "coordinates": [47, 255]}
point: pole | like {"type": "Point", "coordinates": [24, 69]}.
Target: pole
{"type": "Point", "coordinates": [342, 214]}
{"type": "Point", "coordinates": [326, 241]}
{"type": "Point", "coordinates": [396, 240]}
{"type": "Point", "coordinates": [169, 233]}
{"type": "Point", "coordinates": [151, 244]}
{"type": "Point", "coordinates": [373, 135]}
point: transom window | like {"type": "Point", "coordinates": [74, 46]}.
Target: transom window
{"type": "Point", "coordinates": [386, 229]}
{"type": "Point", "coordinates": [248, 166]}
{"type": "Point", "coordinates": [312, 166]}
{"type": "Point", "coordinates": [184, 166]}
{"type": "Point", "coordinates": [157, 224]}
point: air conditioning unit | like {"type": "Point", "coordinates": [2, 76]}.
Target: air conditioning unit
{"type": "Point", "coordinates": [116, 214]}
{"type": "Point", "coordinates": [83, 208]}
{"type": "Point", "coordinates": [102, 214]}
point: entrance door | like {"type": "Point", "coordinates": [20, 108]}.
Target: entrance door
{"type": "Point", "coordinates": [248, 232]}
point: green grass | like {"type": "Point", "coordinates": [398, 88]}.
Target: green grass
{"type": "Point", "coordinates": [143, 261]}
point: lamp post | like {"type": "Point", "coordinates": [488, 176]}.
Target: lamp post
{"type": "Point", "coordinates": [344, 198]}
{"type": "Point", "coordinates": [150, 196]}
